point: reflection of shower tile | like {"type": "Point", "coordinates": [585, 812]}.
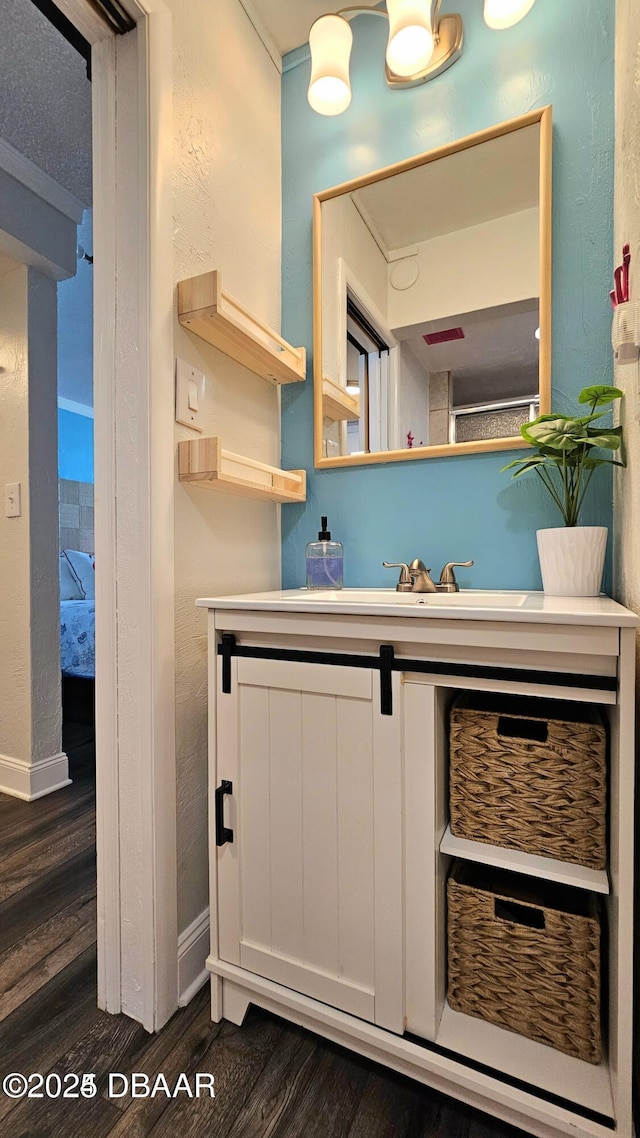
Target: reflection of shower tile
{"type": "Point", "coordinates": [503, 424]}
{"type": "Point", "coordinates": [438, 427]}
{"type": "Point", "coordinates": [69, 492]}
{"type": "Point", "coordinates": [86, 517]}
{"type": "Point", "coordinates": [439, 391]}
{"type": "Point", "coordinates": [69, 516]}
{"type": "Point", "coordinates": [86, 493]}
{"type": "Point", "coordinates": [68, 539]}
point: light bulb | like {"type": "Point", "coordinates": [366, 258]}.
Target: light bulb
{"type": "Point", "coordinates": [330, 41]}
{"type": "Point", "coordinates": [411, 43]}
{"type": "Point", "coordinates": [501, 14]}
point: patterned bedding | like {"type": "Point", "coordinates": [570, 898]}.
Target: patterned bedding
{"type": "Point", "coordinates": [78, 638]}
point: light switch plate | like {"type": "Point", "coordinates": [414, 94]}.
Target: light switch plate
{"type": "Point", "coordinates": [189, 395]}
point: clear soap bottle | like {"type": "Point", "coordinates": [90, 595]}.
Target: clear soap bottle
{"type": "Point", "coordinates": [324, 561]}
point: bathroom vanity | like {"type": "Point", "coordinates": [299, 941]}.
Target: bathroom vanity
{"type": "Point", "coordinates": [330, 839]}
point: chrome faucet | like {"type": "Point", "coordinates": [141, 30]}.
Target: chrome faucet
{"type": "Point", "coordinates": [414, 578]}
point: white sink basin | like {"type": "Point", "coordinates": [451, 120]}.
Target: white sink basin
{"type": "Point", "coordinates": [468, 598]}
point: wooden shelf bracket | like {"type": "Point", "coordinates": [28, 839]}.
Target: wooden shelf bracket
{"type": "Point", "coordinates": [211, 313]}
{"type": "Point", "coordinates": [203, 462]}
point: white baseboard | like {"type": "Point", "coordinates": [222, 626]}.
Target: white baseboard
{"type": "Point", "coordinates": [193, 949]}
{"type": "Point", "coordinates": [33, 780]}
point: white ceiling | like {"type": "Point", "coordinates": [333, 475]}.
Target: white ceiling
{"type": "Point", "coordinates": [45, 106]}
{"type": "Point", "coordinates": [479, 184]}
{"type": "Point", "coordinates": [499, 350]}
{"type": "Point", "coordinates": [288, 21]}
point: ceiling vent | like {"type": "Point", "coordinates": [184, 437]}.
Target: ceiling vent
{"type": "Point", "coordinates": [444, 337]}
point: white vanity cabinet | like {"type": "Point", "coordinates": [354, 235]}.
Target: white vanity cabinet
{"type": "Point", "coordinates": [310, 882]}
{"type": "Point", "coordinates": [330, 839]}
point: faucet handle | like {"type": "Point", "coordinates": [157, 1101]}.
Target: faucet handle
{"type": "Point", "coordinates": [447, 577]}
{"type": "Point", "coordinates": [404, 580]}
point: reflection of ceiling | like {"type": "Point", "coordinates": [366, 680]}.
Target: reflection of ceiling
{"type": "Point", "coordinates": [519, 381]}
{"type": "Point", "coordinates": [499, 352]}
{"type": "Point", "coordinates": [474, 185]}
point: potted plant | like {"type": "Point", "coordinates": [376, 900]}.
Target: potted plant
{"type": "Point", "coordinates": [565, 459]}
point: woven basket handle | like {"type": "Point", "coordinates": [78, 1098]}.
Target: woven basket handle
{"type": "Point", "coordinates": [516, 914]}
{"type": "Point", "coordinates": [534, 730]}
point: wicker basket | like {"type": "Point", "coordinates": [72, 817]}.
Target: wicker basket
{"type": "Point", "coordinates": [530, 968]}
{"type": "Point", "coordinates": [530, 775]}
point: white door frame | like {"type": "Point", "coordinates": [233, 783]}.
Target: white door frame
{"type": "Point", "coordinates": [134, 491]}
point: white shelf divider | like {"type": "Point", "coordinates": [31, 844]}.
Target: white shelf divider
{"type": "Point", "coordinates": [547, 868]}
{"type": "Point", "coordinates": [586, 1084]}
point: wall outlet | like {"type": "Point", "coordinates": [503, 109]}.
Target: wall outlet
{"type": "Point", "coordinates": [189, 395]}
{"type": "Point", "coordinates": [12, 502]}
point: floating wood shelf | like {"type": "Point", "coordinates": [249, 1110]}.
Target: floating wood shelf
{"type": "Point", "coordinates": [337, 403]}
{"type": "Point", "coordinates": [206, 309]}
{"type": "Point", "coordinates": [548, 868]}
{"type": "Point", "coordinates": [203, 462]}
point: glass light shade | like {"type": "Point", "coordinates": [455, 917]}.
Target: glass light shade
{"type": "Point", "coordinates": [330, 41]}
{"type": "Point", "coordinates": [501, 14]}
{"type": "Point", "coordinates": [410, 45]}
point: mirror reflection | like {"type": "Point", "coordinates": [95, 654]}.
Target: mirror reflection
{"type": "Point", "coordinates": [428, 302]}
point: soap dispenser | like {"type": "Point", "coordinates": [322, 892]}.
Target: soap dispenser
{"type": "Point", "coordinates": [324, 561]}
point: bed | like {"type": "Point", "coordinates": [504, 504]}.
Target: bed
{"type": "Point", "coordinates": [77, 614]}
{"type": "Point", "coordinates": [78, 638]}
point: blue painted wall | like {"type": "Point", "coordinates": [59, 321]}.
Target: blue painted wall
{"type": "Point", "coordinates": [75, 363]}
{"type": "Point", "coordinates": [463, 507]}
{"type": "Point", "coordinates": [75, 446]}
{"type": "Point", "coordinates": [75, 324]}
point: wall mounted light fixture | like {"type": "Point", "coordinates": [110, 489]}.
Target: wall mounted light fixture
{"type": "Point", "coordinates": [421, 45]}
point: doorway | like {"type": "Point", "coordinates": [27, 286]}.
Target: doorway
{"type": "Point", "coordinates": [135, 744]}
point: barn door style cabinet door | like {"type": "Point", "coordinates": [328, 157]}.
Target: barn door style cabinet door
{"type": "Point", "coordinates": [333, 842]}
{"type": "Point", "coordinates": [307, 806]}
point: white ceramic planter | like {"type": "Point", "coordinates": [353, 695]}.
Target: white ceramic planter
{"type": "Point", "coordinates": [572, 560]}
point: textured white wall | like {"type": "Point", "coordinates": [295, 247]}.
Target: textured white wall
{"type": "Point", "coordinates": [15, 657]}
{"type": "Point", "coordinates": [344, 234]}
{"type": "Point", "coordinates": [46, 704]}
{"type": "Point", "coordinates": [227, 216]}
{"type": "Point", "coordinates": [413, 402]}
{"type": "Point", "coordinates": [627, 229]}
{"type": "Point", "coordinates": [30, 713]}
{"type": "Point", "coordinates": [45, 108]}
{"type": "Point", "coordinates": [483, 266]}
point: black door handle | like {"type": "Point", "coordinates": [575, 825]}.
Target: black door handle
{"type": "Point", "coordinates": [223, 833]}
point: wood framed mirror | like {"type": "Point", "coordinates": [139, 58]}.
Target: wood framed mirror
{"type": "Point", "coordinates": [432, 300]}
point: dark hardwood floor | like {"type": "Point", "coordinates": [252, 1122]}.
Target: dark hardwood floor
{"type": "Point", "coordinates": [272, 1079]}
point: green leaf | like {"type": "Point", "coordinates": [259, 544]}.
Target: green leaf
{"type": "Point", "coordinates": [591, 463]}
{"type": "Point", "coordinates": [591, 418]}
{"type": "Point", "coordinates": [525, 463]}
{"type": "Point", "coordinates": [593, 431]}
{"type": "Point", "coordinates": [510, 465]}
{"type": "Point", "coordinates": [606, 439]}
{"type": "Point", "coordinates": [599, 394]}
{"type": "Point", "coordinates": [559, 432]}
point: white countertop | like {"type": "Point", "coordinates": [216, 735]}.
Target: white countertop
{"type": "Point", "coordinates": [468, 604]}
